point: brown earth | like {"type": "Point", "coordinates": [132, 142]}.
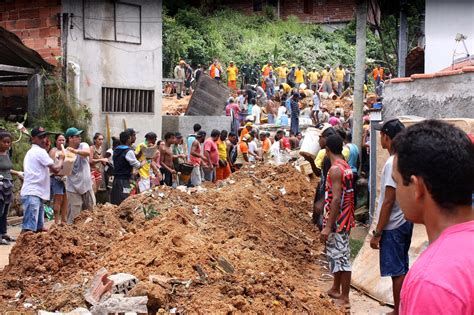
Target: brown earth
{"type": "Point", "coordinates": [174, 107]}
{"type": "Point", "coordinates": [266, 236]}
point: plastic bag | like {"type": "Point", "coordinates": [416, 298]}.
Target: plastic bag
{"type": "Point", "coordinates": [49, 212]}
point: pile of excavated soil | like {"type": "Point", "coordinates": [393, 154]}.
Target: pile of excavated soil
{"type": "Point", "coordinates": [250, 237]}
{"type": "Point", "coordinates": [345, 103]}
{"type": "Point", "coordinates": [174, 107]}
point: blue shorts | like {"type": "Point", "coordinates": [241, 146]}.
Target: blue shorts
{"type": "Point", "coordinates": [394, 246]}
{"type": "Point", "coordinates": [33, 213]}
{"type": "Point", "coordinates": [57, 186]}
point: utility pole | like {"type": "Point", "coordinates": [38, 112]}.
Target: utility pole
{"type": "Point", "coordinates": [402, 39]}
{"type": "Point", "coordinates": [361, 41]}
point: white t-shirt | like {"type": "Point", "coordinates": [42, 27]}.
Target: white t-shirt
{"type": "Point", "coordinates": [80, 181]}
{"type": "Point", "coordinates": [281, 111]}
{"type": "Point", "coordinates": [256, 113]}
{"type": "Point", "coordinates": [316, 102]}
{"type": "Point", "coordinates": [36, 173]}
{"type": "Point", "coordinates": [396, 216]}
{"type": "Point", "coordinates": [253, 149]}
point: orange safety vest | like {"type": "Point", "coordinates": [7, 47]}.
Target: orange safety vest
{"type": "Point", "coordinates": [212, 71]}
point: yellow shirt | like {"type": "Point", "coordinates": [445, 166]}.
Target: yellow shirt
{"type": "Point", "coordinates": [326, 75]}
{"type": "Point", "coordinates": [286, 87]}
{"type": "Point", "coordinates": [222, 149]}
{"type": "Point", "coordinates": [299, 76]}
{"type": "Point", "coordinates": [313, 76]}
{"type": "Point", "coordinates": [232, 72]}
{"type": "Point", "coordinates": [144, 171]}
{"type": "Point", "coordinates": [322, 153]}
{"type": "Point", "coordinates": [282, 72]}
{"type": "Point", "coordinates": [339, 75]}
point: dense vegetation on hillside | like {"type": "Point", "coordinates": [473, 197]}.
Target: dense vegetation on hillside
{"type": "Point", "coordinates": [198, 37]}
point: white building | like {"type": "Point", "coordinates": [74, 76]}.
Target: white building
{"type": "Point", "coordinates": [445, 19]}
{"type": "Point", "coordinates": [114, 56]}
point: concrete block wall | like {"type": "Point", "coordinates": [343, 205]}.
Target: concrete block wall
{"type": "Point", "coordinates": [184, 124]}
{"type": "Point", "coordinates": [440, 95]}
{"type": "Point", "coordinates": [324, 11]}
{"type": "Point", "coordinates": [35, 23]}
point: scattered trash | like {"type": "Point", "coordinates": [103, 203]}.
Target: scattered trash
{"type": "Point", "coordinates": [76, 311]}
{"type": "Point", "coordinates": [27, 305]}
{"type": "Point", "coordinates": [18, 294]}
{"type": "Point", "coordinates": [225, 264]}
{"type": "Point", "coordinates": [282, 191]}
{"type": "Point", "coordinates": [89, 219]}
{"type": "Point", "coordinates": [196, 211]}
{"type": "Point", "coordinates": [161, 195]}
{"type": "Point", "coordinates": [118, 303]}
{"type": "Point", "coordinates": [149, 211]}
{"type": "Point", "coordinates": [173, 310]}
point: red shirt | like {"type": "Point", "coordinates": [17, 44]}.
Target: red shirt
{"type": "Point", "coordinates": [286, 143]}
{"type": "Point", "coordinates": [211, 147]}
{"type": "Point", "coordinates": [234, 107]}
{"type": "Point", "coordinates": [345, 221]}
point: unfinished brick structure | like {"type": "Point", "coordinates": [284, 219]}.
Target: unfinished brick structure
{"type": "Point", "coordinates": [310, 11]}
{"type": "Point", "coordinates": [36, 23]}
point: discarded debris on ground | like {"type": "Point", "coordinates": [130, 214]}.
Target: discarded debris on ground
{"type": "Point", "coordinates": [240, 245]}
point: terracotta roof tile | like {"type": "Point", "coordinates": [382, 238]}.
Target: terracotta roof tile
{"type": "Point", "coordinates": [422, 76]}
{"type": "Point", "coordinates": [447, 73]}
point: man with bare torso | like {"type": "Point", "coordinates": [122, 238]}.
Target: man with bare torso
{"type": "Point", "coordinates": [166, 159]}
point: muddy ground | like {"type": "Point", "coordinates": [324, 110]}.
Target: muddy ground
{"type": "Point", "coordinates": [251, 235]}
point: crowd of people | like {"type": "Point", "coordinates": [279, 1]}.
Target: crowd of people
{"type": "Point", "coordinates": [326, 80]}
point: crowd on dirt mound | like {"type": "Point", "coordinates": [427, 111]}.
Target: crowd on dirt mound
{"type": "Point", "coordinates": [428, 178]}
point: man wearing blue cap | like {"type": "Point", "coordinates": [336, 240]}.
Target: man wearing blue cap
{"type": "Point", "coordinates": [79, 184]}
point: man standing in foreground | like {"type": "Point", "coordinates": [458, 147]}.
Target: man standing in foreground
{"type": "Point", "coordinates": [212, 156]}
{"type": "Point", "coordinates": [392, 233]}
{"type": "Point", "coordinates": [80, 195]}
{"type": "Point", "coordinates": [166, 159]}
{"type": "Point", "coordinates": [338, 221]}
{"type": "Point", "coordinates": [124, 162]}
{"type": "Point", "coordinates": [36, 186]}
{"type": "Point", "coordinates": [434, 170]}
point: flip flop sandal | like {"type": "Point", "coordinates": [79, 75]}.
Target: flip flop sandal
{"type": "Point", "coordinates": [8, 238]}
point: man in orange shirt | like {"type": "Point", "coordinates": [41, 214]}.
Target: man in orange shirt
{"type": "Point", "coordinates": [215, 70]}
{"type": "Point", "coordinates": [378, 75]}
{"type": "Point", "coordinates": [243, 151]}
{"type": "Point", "coordinates": [246, 130]}
{"type": "Point", "coordinates": [232, 72]}
{"type": "Point", "coordinates": [266, 144]}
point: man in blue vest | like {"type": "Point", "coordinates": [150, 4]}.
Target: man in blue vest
{"type": "Point", "coordinates": [124, 162]}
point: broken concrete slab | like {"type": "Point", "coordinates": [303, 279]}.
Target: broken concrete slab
{"type": "Point", "coordinates": [99, 286]}
{"type": "Point", "coordinates": [209, 98]}
{"type": "Point", "coordinates": [118, 303]}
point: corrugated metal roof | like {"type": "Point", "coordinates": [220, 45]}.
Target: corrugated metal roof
{"type": "Point", "coordinates": [14, 53]}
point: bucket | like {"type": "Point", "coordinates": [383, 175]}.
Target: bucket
{"type": "Point", "coordinates": [186, 169]}
{"type": "Point", "coordinates": [310, 145]}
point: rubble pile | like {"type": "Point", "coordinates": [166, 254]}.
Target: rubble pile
{"type": "Point", "coordinates": [245, 244]}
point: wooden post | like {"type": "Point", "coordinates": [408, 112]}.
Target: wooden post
{"type": "Point", "coordinates": [35, 93]}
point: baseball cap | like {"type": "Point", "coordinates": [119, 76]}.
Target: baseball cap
{"type": "Point", "coordinates": [73, 132]}
{"type": "Point", "coordinates": [131, 131]}
{"type": "Point", "coordinates": [39, 132]}
{"type": "Point", "coordinates": [249, 124]}
{"type": "Point", "coordinates": [391, 127]}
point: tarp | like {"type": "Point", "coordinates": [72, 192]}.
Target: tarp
{"type": "Point", "coordinates": [366, 267]}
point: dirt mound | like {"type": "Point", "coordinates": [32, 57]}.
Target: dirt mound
{"type": "Point", "coordinates": [174, 107]}
{"type": "Point", "coordinates": [246, 244]}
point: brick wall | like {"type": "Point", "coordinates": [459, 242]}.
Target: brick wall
{"type": "Point", "coordinates": [324, 11]}
{"type": "Point", "coordinates": [35, 23]}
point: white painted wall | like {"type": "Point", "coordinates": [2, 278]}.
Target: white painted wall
{"type": "Point", "coordinates": [120, 65]}
{"type": "Point", "coordinates": [444, 19]}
